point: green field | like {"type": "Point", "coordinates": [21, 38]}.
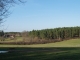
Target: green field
{"type": "Point", "coordinates": [17, 39]}
{"type": "Point", "coordinates": [56, 53]}
{"type": "Point", "coordinates": [65, 43]}
{"type": "Point", "coordinates": [65, 50]}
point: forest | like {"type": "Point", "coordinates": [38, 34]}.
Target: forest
{"type": "Point", "coordinates": [41, 36]}
{"type": "Point", "coordinates": [58, 34]}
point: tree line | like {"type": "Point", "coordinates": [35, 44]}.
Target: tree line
{"type": "Point", "coordinates": [46, 35]}
{"type": "Point", "coordinates": [56, 33]}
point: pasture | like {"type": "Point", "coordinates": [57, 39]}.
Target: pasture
{"type": "Point", "coordinates": [65, 50]}
{"type": "Point", "coordinates": [55, 53]}
{"type": "Point", "coordinates": [65, 43]}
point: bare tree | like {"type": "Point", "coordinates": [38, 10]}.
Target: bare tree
{"type": "Point", "coordinates": [25, 35]}
{"type": "Point", "coordinates": [5, 5]}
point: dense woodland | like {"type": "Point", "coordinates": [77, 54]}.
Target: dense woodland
{"type": "Point", "coordinates": [45, 35]}
{"type": "Point", "coordinates": [56, 33]}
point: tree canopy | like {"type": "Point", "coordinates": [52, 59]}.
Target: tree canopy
{"type": "Point", "coordinates": [56, 33]}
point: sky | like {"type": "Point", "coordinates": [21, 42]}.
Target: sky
{"type": "Point", "coordinates": [43, 14]}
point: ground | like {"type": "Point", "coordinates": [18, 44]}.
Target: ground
{"type": "Point", "coordinates": [65, 43]}
{"type": "Point", "coordinates": [56, 53]}
{"type": "Point", "coordinates": [65, 50]}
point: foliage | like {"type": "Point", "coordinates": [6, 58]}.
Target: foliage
{"type": "Point", "coordinates": [56, 33]}
{"type": "Point", "coordinates": [1, 33]}
{"type": "Point", "coordinates": [65, 43]}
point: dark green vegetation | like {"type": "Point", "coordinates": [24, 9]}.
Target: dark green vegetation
{"type": "Point", "coordinates": [41, 36]}
{"type": "Point", "coordinates": [56, 33]}
{"type": "Point", "coordinates": [65, 50]}
{"type": "Point", "coordinates": [1, 33]}
{"type": "Point", "coordinates": [56, 53]}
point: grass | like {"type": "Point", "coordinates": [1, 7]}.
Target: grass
{"type": "Point", "coordinates": [65, 50]}
{"type": "Point", "coordinates": [56, 53]}
{"type": "Point", "coordinates": [65, 43]}
{"type": "Point", "coordinates": [17, 39]}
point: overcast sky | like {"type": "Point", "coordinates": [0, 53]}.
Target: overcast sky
{"type": "Point", "coordinates": [43, 14]}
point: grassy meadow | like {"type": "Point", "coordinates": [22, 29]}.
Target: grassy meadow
{"type": "Point", "coordinates": [65, 43]}
{"type": "Point", "coordinates": [55, 53]}
{"type": "Point", "coordinates": [17, 39]}
{"type": "Point", "coordinates": [65, 50]}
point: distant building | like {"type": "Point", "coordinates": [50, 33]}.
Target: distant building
{"type": "Point", "coordinates": [9, 36]}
